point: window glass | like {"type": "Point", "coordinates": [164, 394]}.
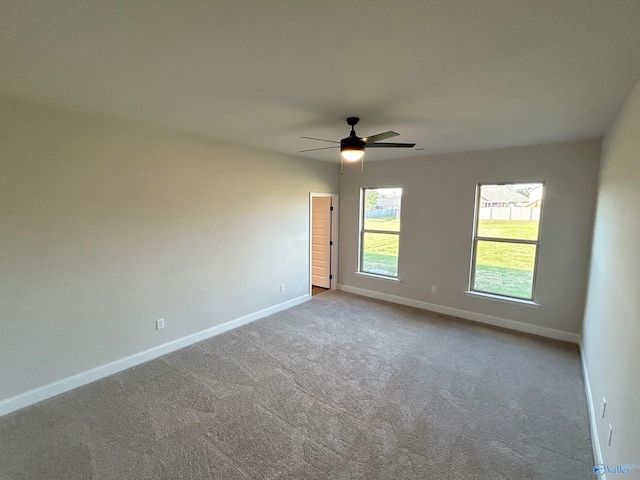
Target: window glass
{"type": "Point", "coordinates": [505, 268]}
{"type": "Point", "coordinates": [380, 255]}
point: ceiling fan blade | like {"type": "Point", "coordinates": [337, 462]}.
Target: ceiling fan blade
{"type": "Point", "coordinates": [320, 139]}
{"type": "Point", "coordinates": [380, 136]}
{"type": "Point", "coordinates": [314, 149]}
{"type": "Point", "coordinates": [391, 145]}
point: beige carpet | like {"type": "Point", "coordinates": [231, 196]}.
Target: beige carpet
{"type": "Point", "coordinates": [339, 387]}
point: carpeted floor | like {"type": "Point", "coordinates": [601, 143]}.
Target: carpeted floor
{"type": "Point", "coordinates": [339, 387]}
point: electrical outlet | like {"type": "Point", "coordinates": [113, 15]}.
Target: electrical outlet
{"type": "Point", "coordinates": [159, 323]}
{"type": "Point", "coordinates": [604, 406]}
{"type": "Point", "coordinates": [433, 289]}
{"type": "Point", "coordinates": [282, 287]}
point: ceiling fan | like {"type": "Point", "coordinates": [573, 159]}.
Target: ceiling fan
{"type": "Point", "coordinates": [352, 147]}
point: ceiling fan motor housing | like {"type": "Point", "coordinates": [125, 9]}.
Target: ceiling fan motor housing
{"type": "Point", "coordinates": [352, 143]}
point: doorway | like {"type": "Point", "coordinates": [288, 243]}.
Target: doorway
{"type": "Point", "coordinates": [323, 249]}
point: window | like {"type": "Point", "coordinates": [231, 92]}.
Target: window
{"type": "Point", "coordinates": [505, 241]}
{"type": "Point", "coordinates": [380, 231]}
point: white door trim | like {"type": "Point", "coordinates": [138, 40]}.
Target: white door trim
{"type": "Point", "coordinates": [334, 236]}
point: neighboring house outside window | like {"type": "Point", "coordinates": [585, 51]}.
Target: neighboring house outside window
{"type": "Point", "coordinates": [506, 240]}
{"type": "Point", "coordinates": [380, 231]}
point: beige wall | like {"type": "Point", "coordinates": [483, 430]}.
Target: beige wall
{"type": "Point", "coordinates": [437, 226]}
{"type": "Point", "coordinates": [611, 335]}
{"type": "Point", "coordinates": [108, 226]}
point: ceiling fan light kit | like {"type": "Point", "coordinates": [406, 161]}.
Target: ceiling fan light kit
{"type": "Point", "coordinates": [352, 147]}
{"type": "Point", "coordinates": [352, 155]}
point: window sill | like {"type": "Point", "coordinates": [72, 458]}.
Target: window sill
{"type": "Point", "coordinates": [379, 277]}
{"type": "Point", "coordinates": [498, 298]}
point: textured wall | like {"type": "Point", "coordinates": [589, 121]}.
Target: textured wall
{"type": "Point", "coordinates": [611, 333]}
{"type": "Point", "coordinates": [437, 226]}
{"type": "Point", "coordinates": [107, 226]}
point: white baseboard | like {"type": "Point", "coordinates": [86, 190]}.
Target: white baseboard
{"type": "Point", "coordinates": [25, 399]}
{"type": "Point", "coordinates": [476, 317]}
{"type": "Point", "coordinates": [593, 423]}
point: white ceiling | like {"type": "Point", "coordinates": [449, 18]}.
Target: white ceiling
{"type": "Point", "coordinates": [450, 75]}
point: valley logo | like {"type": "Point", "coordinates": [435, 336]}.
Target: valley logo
{"type": "Point", "coordinates": [601, 469]}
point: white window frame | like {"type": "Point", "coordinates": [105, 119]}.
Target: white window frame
{"type": "Point", "coordinates": [361, 271]}
{"type": "Point", "coordinates": [474, 249]}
